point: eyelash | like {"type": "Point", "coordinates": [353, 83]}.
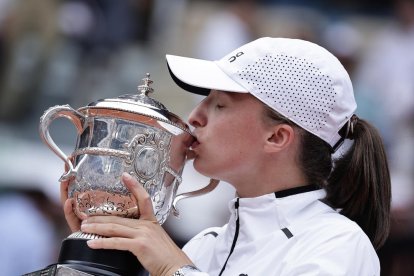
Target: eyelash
{"type": "Point", "coordinates": [219, 106]}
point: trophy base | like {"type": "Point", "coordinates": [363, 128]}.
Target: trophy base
{"type": "Point", "coordinates": [76, 254]}
{"type": "Point", "coordinates": [77, 259]}
{"type": "Point", "coordinates": [57, 270]}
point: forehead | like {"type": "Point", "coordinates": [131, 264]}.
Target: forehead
{"type": "Point", "coordinates": [232, 96]}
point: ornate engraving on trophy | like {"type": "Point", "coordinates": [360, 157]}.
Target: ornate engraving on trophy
{"type": "Point", "coordinates": [93, 203]}
{"type": "Point", "coordinates": [145, 150]}
{"type": "Point", "coordinates": [147, 162]}
{"type": "Point", "coordinates": [131, 133]}
{"type": "Point", "coordinates": [149, 158]}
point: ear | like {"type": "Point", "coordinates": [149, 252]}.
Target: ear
{"type": "Point", "coordinates": [279, 137]}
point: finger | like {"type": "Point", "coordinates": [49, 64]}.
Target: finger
{"type": "Point", "coordinates": [64, 184]}
{"type": "Point", "coordinates": [71, 218]}
{"type": "Point", "coordinates": [97, 224]}
{"type": "Point", "coordinates": [111, 230]}
{"type": "Point", "coordinates": [144, 200]}
{"type": "Point", "coordinates": [111, 219]}
{"type": "Point", "coordinates": [64, 191]}
{"type": "Point", "coordinates": [111, 243]}
{"type": "Point", "coordinates": [64, 187]}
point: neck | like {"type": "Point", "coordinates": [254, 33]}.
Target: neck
{"type": "Point", "coordinates": [262, 182]}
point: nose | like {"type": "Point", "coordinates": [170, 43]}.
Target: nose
{"type": "Point", "coordinates": [197, 117]}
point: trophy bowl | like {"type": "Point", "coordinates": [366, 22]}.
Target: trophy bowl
{"type": "Point", "coordinates": [132, 133]}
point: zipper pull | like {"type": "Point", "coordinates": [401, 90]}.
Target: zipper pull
{"type": "Point", "coordinates": [236, 208]}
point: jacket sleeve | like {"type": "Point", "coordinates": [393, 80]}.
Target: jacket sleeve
{"type": "Point", "coordinates": [199, 249]}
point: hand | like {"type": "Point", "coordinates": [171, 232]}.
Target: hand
{"type": "Point", "coordinates": [72, 220]}
{"type": "Point", "coordinates": [144, 237]}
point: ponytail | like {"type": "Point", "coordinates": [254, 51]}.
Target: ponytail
{"type": "Point", "coordinates": [360, 183]}
{"type": "Point", "coordinates": [357, 183]}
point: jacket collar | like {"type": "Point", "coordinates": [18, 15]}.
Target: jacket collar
{"type": "Point", "coordinates": [267, 213]}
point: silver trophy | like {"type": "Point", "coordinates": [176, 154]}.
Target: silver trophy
{"type": "Point", "coordinates": [130, 133]}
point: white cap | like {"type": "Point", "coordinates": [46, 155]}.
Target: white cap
{"type": "Point", "coordinates": [298, 79]}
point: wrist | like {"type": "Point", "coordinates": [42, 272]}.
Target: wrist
{"type": "Point", "coordinates": [185, 270]}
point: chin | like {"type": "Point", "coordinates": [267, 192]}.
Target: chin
{"type": "Point", "coordinates": [202, 169]}
{"type": "Point", "coordinates": [197, 166]}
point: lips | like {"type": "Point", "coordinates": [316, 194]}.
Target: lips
{"type": "Point", "coordinates": [191, 153]}
{"type": "Point", "coordinates": [195, 144]}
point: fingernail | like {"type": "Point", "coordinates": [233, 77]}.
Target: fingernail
{"type": "Point", "coordinates": [84, 226]}
{"type": "Point", "coordinates": [126, 176]}
{"type": "Point", "coordinates": [91, 242]}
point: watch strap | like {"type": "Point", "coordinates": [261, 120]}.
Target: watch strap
{"type": "Point", "coordinates": [182, 271]}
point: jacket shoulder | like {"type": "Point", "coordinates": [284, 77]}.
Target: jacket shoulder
{"type": "Point", "coordinates": [332, 243]}
{"type": "Point", "coordinates": [203, 239]}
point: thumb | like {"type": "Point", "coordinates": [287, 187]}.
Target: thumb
{"type": "Point", "coordinates": [144, 202]}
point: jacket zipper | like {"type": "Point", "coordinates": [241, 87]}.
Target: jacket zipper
{"type": "Point", "coordinates": [236, 235]}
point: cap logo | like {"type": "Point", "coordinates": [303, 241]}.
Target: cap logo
{"type": "Point", "coordinates": [233, 58]}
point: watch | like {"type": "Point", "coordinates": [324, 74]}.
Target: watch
{"type": "Point", "coordinates": [182, 271]}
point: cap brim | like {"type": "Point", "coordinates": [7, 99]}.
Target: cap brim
{"type": "Point", "coordinates": [200, 76]}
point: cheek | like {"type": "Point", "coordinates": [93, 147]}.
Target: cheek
{"type": "Point", "coordinates": [231, 150]}
{"type": "Point", "coordinates": [240, 136]}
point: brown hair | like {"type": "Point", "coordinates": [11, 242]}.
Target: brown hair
{"type": "Point", "coordinates": [357, 182]}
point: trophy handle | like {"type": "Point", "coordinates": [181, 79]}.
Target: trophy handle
{"type": "Point", "coordinates": [48, 117]}
{"type": "Point", "coordinates": [211, 186]}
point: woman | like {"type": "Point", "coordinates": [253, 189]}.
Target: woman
{"type": "Point", "coordinates": [276, 111]}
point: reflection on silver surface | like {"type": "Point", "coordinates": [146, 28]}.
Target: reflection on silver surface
{"type": "Point", "coordinates": [63, 270]}
{"type": "Point", "coordinates": [118, 146]}
{"type": "Point", "coordinates": [133, 134]}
